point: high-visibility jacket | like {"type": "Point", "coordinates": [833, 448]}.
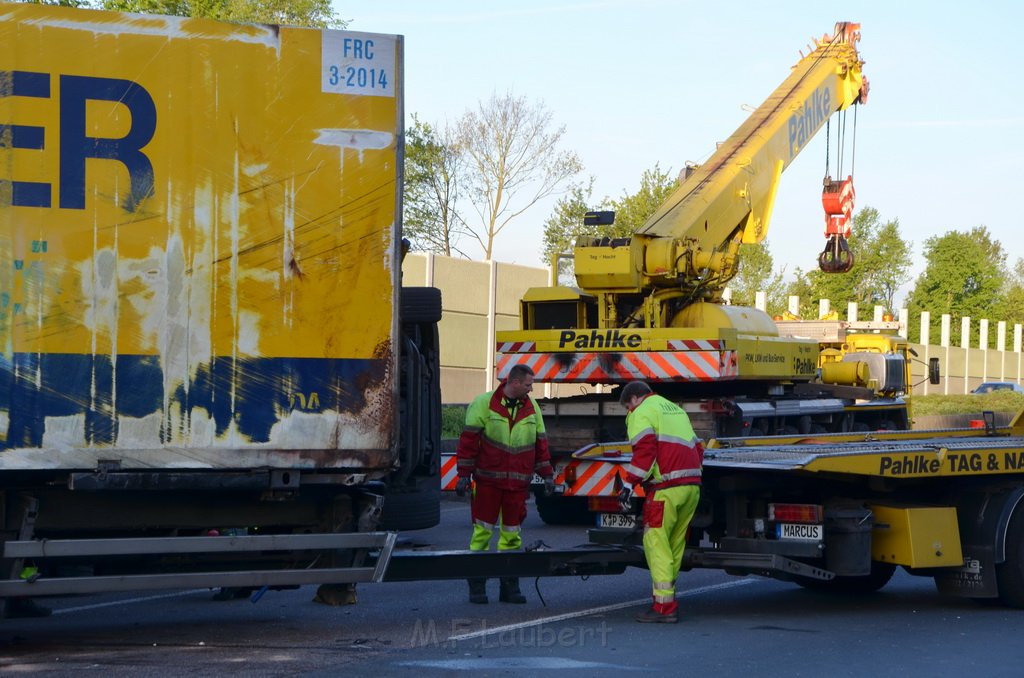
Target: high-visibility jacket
{"type": "Point", "coordinates": [666, 451]}
{"type": "Point", "coordinates": [504, 443]}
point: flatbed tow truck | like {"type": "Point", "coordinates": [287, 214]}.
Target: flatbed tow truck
{"type": "Point", "coordinates": [836, 512]}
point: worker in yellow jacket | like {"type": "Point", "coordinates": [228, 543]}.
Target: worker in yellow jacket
{"type": "Point", "coordinates": [667, 459]}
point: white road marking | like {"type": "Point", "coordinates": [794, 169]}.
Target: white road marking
{"type": "Point", "coordinates": [597, 610]}
{"type": "Point", "coordinates": [506, 663]}
{"type": "Point", "coordinates": [129, 601]}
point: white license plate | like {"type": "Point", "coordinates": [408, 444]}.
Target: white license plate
{"type": "Point", "coordinates": [616, 520]}
{"type": "Point", "coordinates": [798, 531]}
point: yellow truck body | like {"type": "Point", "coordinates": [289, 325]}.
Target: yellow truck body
{"type": "Point", "coordinates": [198, 242]}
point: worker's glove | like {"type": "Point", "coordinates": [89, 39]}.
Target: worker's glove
{"type": "Point", "coordinates": [549, 487]}
{"type": "Point", "coordinates": [625, 494]}
{"type": "Point", "coordinates": [462, 487]}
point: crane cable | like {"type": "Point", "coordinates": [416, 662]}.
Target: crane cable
{"type": "Point", "coordinates": [841, 144]}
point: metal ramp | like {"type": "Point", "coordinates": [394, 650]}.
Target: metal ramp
{"type": "Point", "coordinates": [382, 543]}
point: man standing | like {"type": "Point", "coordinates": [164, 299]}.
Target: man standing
{"type": "Point", "coordinates": [667, 459]}
{"type": "Point", "coordinates": [501, 447]}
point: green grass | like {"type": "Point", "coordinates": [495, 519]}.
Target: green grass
{"type": "Point", "coordinates": [998, 401]}
{"type": "Point", "coordinates": [453, 417]}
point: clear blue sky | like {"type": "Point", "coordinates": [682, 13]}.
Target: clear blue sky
{"type": "Point", "coordinates": [940, 144]}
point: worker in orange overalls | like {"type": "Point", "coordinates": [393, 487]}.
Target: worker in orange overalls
{"type": "Point", "coordinates": [667, 459]}
{"type": "Point", "coordinates": [502, 445]}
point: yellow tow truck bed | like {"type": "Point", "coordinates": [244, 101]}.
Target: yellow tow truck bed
{"type": "Point", "coordinates": [904, 455]}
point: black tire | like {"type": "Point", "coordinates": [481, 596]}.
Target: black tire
{"type": "Point", "coordinates": [1010, 574]}
{"type": "Point", "coordinates": [880, 575]}
{"type": "Point", "coordinates": [413, 508]}
{"type": "Point", "coordinates": [420, 305]}
{"type": "Point", "coordinates": [558, 510]}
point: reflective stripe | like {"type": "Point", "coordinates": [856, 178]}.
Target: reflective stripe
{"type": "Point", "coordinates": [635, 471]}
{"type": "Point", "coordinates": [449, 474]}
{"type": "Point", "coordinates": [503, 475]}
{"type": "Point", "coordinates": [649, 431]}
{"type": "Point", "coordinates": [687, 442]}
{"type": "Point", "coordinates": [664, 585]}
{"type": "Point", "coordinates": [692, 344]}
{"type": "Point", "coordinates": [674, 366]}
{"type": "Point", "coordinates": [664, 599]}
{"type": "Point", "coordinates": [508, 449]}
{"type": "Point", "coordinates": [515, 346]}
{"type": "Point", "coordinates": [486, 526]}
{"type": "Point", "coordinates": [511, 528]}
{"type": "Point", "coordinates": [685, 473]}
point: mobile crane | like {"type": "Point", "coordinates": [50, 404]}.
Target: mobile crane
{"type": "Point", "coordinates": [651, 306]}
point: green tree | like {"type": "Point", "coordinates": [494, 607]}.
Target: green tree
{"type": "Point", "coordinates": [58, 3]}
{"type": "Point", "coordinates": [881, 265]}
{"type": "Point", "coordinates": [433, 165]}
{"type": "Point", "coordinates": [963, 277]}
{"type": "Point", "coordinates": [315, 13]}
{"type": "Point", "coordinates": [1010, 304]}
{"type": "Point", "coordinates": [800, 286]}
{"type": "Point", "coordinates": [632, 210]}
{"type": "Point", "coordinates": [565, 226]}
{"type": "Point", "coordinates": [756, 274]}
{"type": "Point", "coordinates": [513, 159]}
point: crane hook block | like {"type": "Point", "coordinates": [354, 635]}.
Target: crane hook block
{"type": "Point", "coordinates": [837, 256]}
{"type": "Point", "coordinates": [837, 198]}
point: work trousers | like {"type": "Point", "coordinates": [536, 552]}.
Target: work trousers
{"type": "Point", "coordinates": [667, 515]}
{"type": "Point", "coordinates": [491, 506]}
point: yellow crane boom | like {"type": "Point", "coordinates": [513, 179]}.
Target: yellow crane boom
{"type": "Point", "coordinates": [691, 242]}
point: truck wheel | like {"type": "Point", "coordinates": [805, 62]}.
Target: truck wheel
{"type": "Point", "coordinates": [563, 510]}
{"type": "Point", "coordinates": [414, 508]}
{"type": "Point", "coordinates": [1010, 575]}
{"type": "Point", "coordinates": [880, 575]}
{"type": "Point", "coordinates": [420, 305]}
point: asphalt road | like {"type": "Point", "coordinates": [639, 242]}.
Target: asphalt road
{"type": "Point", "coordinates": [729, 627]}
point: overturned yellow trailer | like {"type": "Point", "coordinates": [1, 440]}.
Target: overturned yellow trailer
{"type": "Point", "coordinates": [202, 324]}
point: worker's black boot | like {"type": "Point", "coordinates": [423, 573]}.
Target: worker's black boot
{"type": "Point", "coordinates": [478, 590]}
{"type": "Point", "coordinates": [509, 592]}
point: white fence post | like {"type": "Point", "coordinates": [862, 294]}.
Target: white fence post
{"type": "Point", "coordinates": [983, 346]}
{"type": "Point", "coordinates": [944, 337]}
{"type": "Point", "coordinates": [965, 343]}
{"type": "Point", "coordinates": [1001, 347]}
{"type": "Point", "coordinates": [926, 320]}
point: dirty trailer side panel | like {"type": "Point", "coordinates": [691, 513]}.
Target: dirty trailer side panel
{"type": "Point", "coordinates": [197, 260]}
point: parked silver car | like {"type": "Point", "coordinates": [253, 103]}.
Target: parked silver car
{"type": "Point", "coordinates": [993, 386]}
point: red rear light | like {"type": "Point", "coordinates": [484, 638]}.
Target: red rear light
{"type": "Point", "coordinates": [795, 513]}
{"type": "Point", "coordinates": [604, 504]}
{"type": "Point", "coordinates": [570, 475]}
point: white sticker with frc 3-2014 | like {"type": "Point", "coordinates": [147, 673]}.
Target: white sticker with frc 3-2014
{"type": "Point", "coordinates": [358, 63]}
